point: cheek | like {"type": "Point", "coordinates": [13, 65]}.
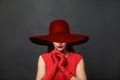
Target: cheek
{"type": "Point", "coordinates": [64, 44]}
{"type": "Point", "coordinates": [55, 45]}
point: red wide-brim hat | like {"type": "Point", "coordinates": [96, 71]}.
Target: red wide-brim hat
{"type": "Point", "coordinates": [59, 32]}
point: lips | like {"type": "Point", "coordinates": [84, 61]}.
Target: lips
{"type": "Point", "coordinates": [60, 46]}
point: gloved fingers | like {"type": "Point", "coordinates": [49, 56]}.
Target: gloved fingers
{"type": "Point", "coordinates": [63, 61]}
{"type": "Point", "coordinates": [55, 58]}
{"type": "Point", "coordinates": [58, 57]}
{"type": "Point", "coordinates": [56, 52]}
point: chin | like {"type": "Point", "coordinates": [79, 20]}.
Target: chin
{"type": "Point", "coordinates": [60, 49]}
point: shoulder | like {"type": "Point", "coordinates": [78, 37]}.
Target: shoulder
{"type": "Point", "coordinates": [40, 62]}
{"type": "Point", "coordinates": [46, 54]}
{"type": "Point", "coordinates": [75, 57]}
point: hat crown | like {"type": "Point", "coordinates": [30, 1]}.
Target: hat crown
{"type": "Point", "coordinates": [59, 26]}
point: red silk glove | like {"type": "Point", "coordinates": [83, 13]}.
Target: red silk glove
{"type": "Point", "coordinates": [61, 66]}
{"type": "Point", "coordinates": [54, 57]}
{"type": "Point", "coordinates": [50, 75]}
{"type": "Point", "coordinates": [66, 73]}
{"type": "Point", "coordinates": [58, 57]}
{"type": "Point", "coordinates": [61, 59]}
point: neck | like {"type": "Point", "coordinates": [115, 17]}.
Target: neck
{"type": "Point", "coordinates": [65, 52]}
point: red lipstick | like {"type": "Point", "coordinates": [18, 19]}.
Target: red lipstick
{"type": "Point", "coordinates": [60, 46]}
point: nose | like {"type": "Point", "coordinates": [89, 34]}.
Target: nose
{"type": "Point", "coordinates": [60, 43]}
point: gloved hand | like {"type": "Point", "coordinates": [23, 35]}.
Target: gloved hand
{"type": "Point", "coordinates": [53, 70]}
{"type": "Point", "coordinates": [60, 57]}
{"type": "Point", "coordinates": [54, 56]}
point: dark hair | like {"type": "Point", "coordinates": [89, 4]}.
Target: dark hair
{"type": "Point", "coordinates": [69, 47]}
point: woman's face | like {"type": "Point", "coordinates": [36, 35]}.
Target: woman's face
{"type": "Point", "coordinates": [59, 46]}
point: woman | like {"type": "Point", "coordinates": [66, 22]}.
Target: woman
{"type": "Point", "coordinates": [60, 62]}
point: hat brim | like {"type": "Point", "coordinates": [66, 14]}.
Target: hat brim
{"type": "Point", "coordinates": [75, 39]}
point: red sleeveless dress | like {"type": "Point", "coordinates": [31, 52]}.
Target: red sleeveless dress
{"type": "Point", "coordinates": [72, 61]}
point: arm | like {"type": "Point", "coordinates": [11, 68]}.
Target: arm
{"type": "Point", "coordinates": [41, 72]}
{"type": "Point", "coordinates": [41, 69]}
{"type": "Point", "coordinates": [80, 71]}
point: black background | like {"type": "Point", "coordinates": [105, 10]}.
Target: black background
{"type": "Point", "coordinates": [20, 19]}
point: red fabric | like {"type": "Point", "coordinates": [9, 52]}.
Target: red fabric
{"type": "Point", "coordinates": [72, 61]}
{"type": "Point", "coordinates": [59, 32]}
